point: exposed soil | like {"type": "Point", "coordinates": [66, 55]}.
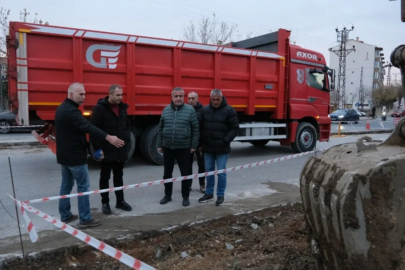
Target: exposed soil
{"type": "Point", "coordinates": [272, 238]}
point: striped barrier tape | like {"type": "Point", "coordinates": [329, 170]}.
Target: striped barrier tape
{"type": "Point", "coordinates": [181, 178]}
{"type": "Point", "coordinates": [30, 227]}
{"type": "Point", "coordinates": [29, 126]}
{"type": "Point", "coordinates": [122, 257]}
{"type": "Point", "coordinates": [105, 248]}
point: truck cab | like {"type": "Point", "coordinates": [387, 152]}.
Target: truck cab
{"type": "Point", "coordinates": [308, 82]}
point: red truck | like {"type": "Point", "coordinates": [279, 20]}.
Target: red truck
{"type": "Point", "coordinates": [280, 91]}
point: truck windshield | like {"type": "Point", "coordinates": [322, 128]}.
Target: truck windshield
{"type": "Point", "coordinates": [315, 79]}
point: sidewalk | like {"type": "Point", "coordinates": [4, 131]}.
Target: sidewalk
{"type": "Point", "coordinates": [8, 141]}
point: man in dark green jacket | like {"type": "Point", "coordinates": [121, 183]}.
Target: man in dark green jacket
{"type": "Point", "coordinates": [178, 137]}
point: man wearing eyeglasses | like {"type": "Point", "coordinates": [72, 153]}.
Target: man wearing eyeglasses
{"type": "Point", "coordinates": [193, 101]}
{"type": "Point", "coordinates": [178, 137]}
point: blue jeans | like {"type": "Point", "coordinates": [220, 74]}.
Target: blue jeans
{"type": "Point", "coordinates": [221, 160]}
{"type": "Point", "coordinates": [79, 173]}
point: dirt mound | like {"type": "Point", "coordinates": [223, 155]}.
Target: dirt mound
{"type": "Point", "coordinates": [272, 238]}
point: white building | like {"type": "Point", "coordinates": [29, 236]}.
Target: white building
{"type": "Point", "coordinates": [371, 58]}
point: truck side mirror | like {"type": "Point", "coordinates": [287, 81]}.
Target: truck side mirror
{"type": "Point", "coordinates": [331, 73]}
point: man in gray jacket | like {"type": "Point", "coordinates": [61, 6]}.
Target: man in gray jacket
{"type": "Point", "coordinates": [178, 137]}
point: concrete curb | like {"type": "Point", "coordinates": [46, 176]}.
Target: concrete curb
{"type": "Point", "coordinates": [5, 145]}
{"type": "Point", "coordinates": [360, 132]}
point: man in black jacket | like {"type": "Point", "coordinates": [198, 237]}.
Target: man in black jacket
{"type": "Point", "coordinates": [110, 115]}
{"type": "Point", "coordinates": [193, 101]}
{"type": "Point", "coordinates": [71, 152]}
{"type": "Point", "coordinates": [219, 125]}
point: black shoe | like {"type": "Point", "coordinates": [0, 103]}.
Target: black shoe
{"type": "Point", "coordinates": [72, 218]}
{"type": "Point", "coordinates": [165, 200]}
{"type": "Point", "coordinates": [106, 209]}
{"type": "Point", "coordinates": [206, 198]}
{"type": "Point", "coordinates": [88, 224]}
{"type": "Point", "coordinates": [186, 202]}
{"type": "Point", "coordinates": [124, 206]}
{"type": "Point", "coordinates": [219, 201]}
{"type": "Point", "coordinates": [202, 189]}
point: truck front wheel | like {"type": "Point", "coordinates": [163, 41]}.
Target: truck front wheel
{"type": "Point", "coordinates": [148, 146]}
{"type": "Point", "coordinates": [305, 139]}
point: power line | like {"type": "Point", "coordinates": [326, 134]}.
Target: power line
{"type": "Point", "coordinates": [186, 12]}
{"type": "Point", "coordinates": [342, 52]}
{"type": "Point", "coordinates": [239, 19]}
{"type": "Point", "coordinates": [389, 65]}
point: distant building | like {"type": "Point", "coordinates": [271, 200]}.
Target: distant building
{"type": "Point", "coordinates": [3, 78]}
{"type": "Point", "coordinates": [3, 68]}
{"type": "Point", "coordinates": [368, 56]}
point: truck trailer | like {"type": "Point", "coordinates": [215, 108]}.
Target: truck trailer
{"type": "Point", "coordinates": [280, 91]}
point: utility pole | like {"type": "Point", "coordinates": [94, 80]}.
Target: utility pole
{"type": "Point", "coordinates": [342, 52]}
{"type": "Point", "coordinates": [389, 66]}
{"type": "Point", "coordinates": [361, 90]}
{"type": "Point", "coordinates": [395, 78]}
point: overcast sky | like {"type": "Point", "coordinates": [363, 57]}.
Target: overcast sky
{"type": "Point", "coordinates": [312, 22]}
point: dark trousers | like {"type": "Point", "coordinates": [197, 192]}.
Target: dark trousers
{"type": "Point", "coordinates": [183, 160]}
{"type": "Point", "coordinates": [105, 174]}
{"type": "Point", "coordinates": [201, 166]}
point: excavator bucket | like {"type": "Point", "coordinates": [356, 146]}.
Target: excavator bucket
{"type": "Point", "coordinates": [354, 203]}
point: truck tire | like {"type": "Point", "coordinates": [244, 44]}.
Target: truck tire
{"type": "Point", "coordinates": [5, 127]}
{"type": "Point", "coordinates": [305, 139]}
{"type": "Point", "coordinates": [148, 145]}
{"type": "Point", "coordinates": [259, 143]}
{"type": "Point", "coordinates": [130, 151]}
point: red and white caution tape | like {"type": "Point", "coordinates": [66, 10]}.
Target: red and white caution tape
{"type": "Point", "coordinates": [181, 178]}
{"type": "Point", "coordinates": [107, 249]}
{"type": "Point", "coordinates": [29, 126]}
{"type": "Point", "coordinates": [30, 227]}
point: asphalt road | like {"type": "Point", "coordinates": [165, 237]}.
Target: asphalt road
{"type": "Point", "coordinates": [36, 174]}
{"type": "Point", "coordinates": [375, 124]}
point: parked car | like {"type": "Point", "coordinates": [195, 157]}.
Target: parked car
{"type": "Point", "coordinates": [345, 115]}
{"type": "Point", "coordinates": [8, 123]}
{"type": "Point", "coordinates": [398, 113]}
{"type": "Point", "coordinates": [360, 113]}
{"type": "Point", "coordinates": [7, 119]}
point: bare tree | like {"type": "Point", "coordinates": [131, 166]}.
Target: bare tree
{"type": "Point", "coordinates": [210, 31]}
{"type": "Point", "coordinates": [4, 30]}
{"type": "Point", "coordinates": [386, 96]}
{"type": "Point", "coordinates": [25, 16]}
{"type": "Point", "coordinates": [351, 97]}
